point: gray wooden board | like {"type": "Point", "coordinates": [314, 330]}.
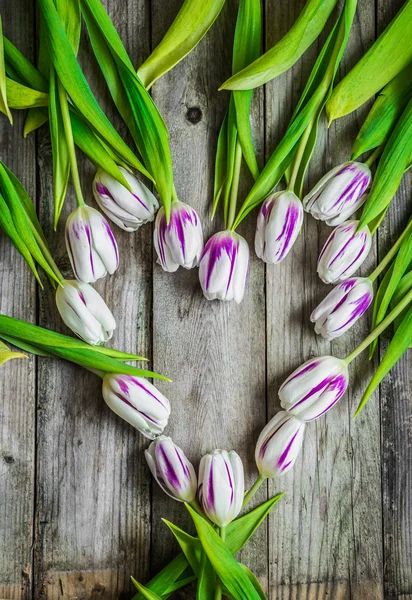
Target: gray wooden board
{"type": "Point", "coordinates": [79, 512]}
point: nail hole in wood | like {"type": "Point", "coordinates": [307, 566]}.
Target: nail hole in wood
{"type": "Point", "coordinates": [194, 115]}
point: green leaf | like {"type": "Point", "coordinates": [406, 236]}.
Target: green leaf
{"type": "Point", "coordinates": [74, 82]}
{"type": "Point", "coordinates": [224, 564]}
{"type": "Point", "coordinates": [206, 584]}
{"type": "Point", "coordinates": [21, 97]}
{"type": "Point", "coordinates": [388, 56]}
{"type": "Point", "coordinates": [146, 593]}
{"type": "Point", "coordinates": [166, 578]}
{"type": "Point", "coordinates": [384, 113]}
{"type": "Point", "coordinates": [377, 302]}
{"type": "Point", "coordinates": [7, 224]}
{"type": "Point", "coordinates": [179, 584]}
{"type": "Point", "coordinates": [70, 17]}
{"type": "Point", "coordinates": [255, 582]}
{"type": "Point", "coordinates": [399, 344]}
{"type": "Point", "coordinates": [391, 281]}
{"type": "Point", "coordinates": [246, 49]}
{"type": "Point", "coordinates": [192, 22]}
{"type": "Point", "coordinates": [231, 143]}
{"type": "Point", "coordinates": [288, 50]}
{"type": "Point", "coordinates": [25, 346]}
{"type": "Point", "coordinates": [4, 107]}
{"type": "Point", "coordinates": [35, 119]}
{"type": "Point", "coordinates": [60, 150]}
{"type": "Point", "coordinates": [391, 167]}
{"type": "Point", "coordinates": [6, 354]}
{"type": "Point", "coordinates": [23, 68]}
{"type": "Point", "coordinates": [131, 98]}
{"type": "Point", "coordinates": [313, 99]}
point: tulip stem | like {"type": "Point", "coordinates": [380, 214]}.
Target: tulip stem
{"type": "Point", "coordinates": [298, 157]}
{"type": "Point", "coordinates": [218, 589]}
{"type": "Point", "coordinates": [235, 186]}
{"type": "Point", "coordinates": [249, 495]}
{"type": "Point", "coordinates": [380, 328]}
{"type": "Point", "coordinates": [374, 156]}
{"type": "Point", "coordinates": [67, 126]}
{"type": "Point", "coordinates": [389, 256]}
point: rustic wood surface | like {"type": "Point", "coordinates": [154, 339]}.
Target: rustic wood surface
{"type": "Point", "coordinates": [79, 512]}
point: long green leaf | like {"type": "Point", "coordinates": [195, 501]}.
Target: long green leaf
{"type": "Point", "coordinates": [399, 344]}
{"type": "Point", "coordinates": [167, 577]}
{"type": "Point", "coordinates": [73, 80]}
{"type": "Point", "coordinates": [206, 584]}
{"type": "Point", "coordinates": [26, 346]}
{"type": "Point", "coordinates": [21, 97]}
{"type": "Point", "coordinates": [146, 593]}
{"type": "Point", "coordinates": [35, 119]}
{"type": "Point", "coordinates": [192, 22]}
{"type": "Point", "coordinates": [391, 167]}
{"type": "Point", "coordinates": [246, 49]}
{"type": "Point", "coordinates": [7, 224]}
{"type": "Point", "coordinates": [70, 17]}
{"type": "Point", "coordinates": [23, 67]}
{"type": "Point", "coordinates": [4, 107]}
{"type": "Point", "coordinates": [220, 165]}
{"type": "Point", "coordinates": [388, 56]}
{"type": "Point", "coordinates": [224, 564]}
{"type": "Point", "coordinates": [288, 50]}
{"type": "Point", "coordinates": [231, 143]}
{"type": "Point", "coordinates": [386, 110]}
{"type": "Point", "coordinates": [22, 222]}
{"type": "Point", "coordinates": [141, 115]}
{"type": "Point", "coordinates": [60, 150]}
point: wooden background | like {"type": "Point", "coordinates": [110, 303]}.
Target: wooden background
{"type": "Point", "coordinates": [79, 512]}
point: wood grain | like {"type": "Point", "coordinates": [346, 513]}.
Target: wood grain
{"type": "Point", "coordinates": [17, 379]}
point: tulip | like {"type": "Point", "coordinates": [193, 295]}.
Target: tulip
{"type": "Point", "coordinates": [340, 193]}
{"type": "Point", "coordinates": [344, 252]}
{"type": "Point", "coordinates": [85, 312]}
{"type": "Point", "coordinates": [178, 243]}
{"type": "Point", "coordinates": [128, 209]}
{"type": "Point", "coordinates": [342, 307]}
{"type": "Point", "coordinates": [278, 225]}
{"type": "Point", "coordinates": [221, 486]}
{"type": "Point", "coordinates": [90, 245]}
{"type": "Point", "coordinates": [138, 402]}
{"type": "Point", "coordinates": [224, 267]}
{"type": "Point", "coordinates": [172, 470]}
{"type": "Point", "coordinates": [314, 387]}
{"type": "Point", "coordinates": [279, 444]}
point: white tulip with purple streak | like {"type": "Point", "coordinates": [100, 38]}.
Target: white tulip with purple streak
{"type": "Point", "coordinates": [314, 387]}
{"type": "Point", "coordinates": [173, 472]}
{"type": "Point", "coordinates": [90, 244]}
{"type": "Point", "coordinates": [224, 267]}
{"type": "Point", "coordinates": [85, 312]}
{"type": "Point", "coordinates": [138, 402]}
{"type": "Point", "coordinates": [178, 243]}
{"type": "Point", "coordinates": [344, 252]}
{"type": "Point", "coordinates": [221, 486]}
{"type": "Point", "coordinates": [339, 194]}
{"type": "Point", "coordinates": [128, 209]}
{"type": "Point", "coordinates": [279, 444]}
{"type": "Point", "coordinates": [278, 225]}
{"type": "Point", "coordinates": [342, 307]}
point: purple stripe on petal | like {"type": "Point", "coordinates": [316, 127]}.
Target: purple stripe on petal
{"type": "Point", "coordinates": [171, 474]}
{"type": "Point", "coordinates": [112, 238]}
{"type": "Point", "coordinates": [265, 444]}
{"type": "Point", "coordinates": [232, 493]}
{"type": "Point", "coordinates": [360, 306]}
{"type": "Point", "coordinates": [282, 458]}
{"type": "Point", "coordinates": [210, 488]}
{"type": "Point", "coordinates": [288, 229]}
{"type": "Point", "coordinates": [306, 368]}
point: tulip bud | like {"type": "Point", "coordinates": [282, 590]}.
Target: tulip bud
{"type": "Point", "coordinates": [314, 387]}
{"type": "Point", "coordinates": [90, 245]}
{"type": "Point", "coordinates": [221, 486]}
{"type": "Point", "coordinates": [85, 312]}
{"type": "Point", "coordinates": [344, 252]}
{"type": "Point", "coordinates": [128, 209]}
{"type": "Point", "coordinates": [340, 193]}
{"type": "Point", "coordinates": [171, 469]}
{"type": "Point", "coordinates": [279, 444]}
{"type": "Point", "coordinates": [179, 243]}
{"type": "Point", "coordinates": [138, 402]}
{"type": "Point", "coordinates": [278, 225]}
{"type": "Point", "coordinates": [342, 307]}
{"type": "Point", "coordinates": [224, 267]}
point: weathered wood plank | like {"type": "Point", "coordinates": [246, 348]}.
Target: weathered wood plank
{"type": "Point", "coordinates": [324, 542]}
{"type": "Point", "coordinates": [214, 352]}
{"type": "Point", "coordinates": [93, 518]}
{"type": "Point", "coordinates": [396, 407]}
{"type": "Point", "coordinates": [17, 378]}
